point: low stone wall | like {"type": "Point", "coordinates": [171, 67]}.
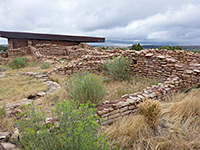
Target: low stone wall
{"type": "Point", "coordinates": [127, 104]}
{"type": "Point", "coordinates": [143, 63]}
{"type": "Point", "coordinates": [166, 65]}
{"type": "Point", "coordinates": [3, 58]}
{"type": "Point", "coordinates": [180, 55]}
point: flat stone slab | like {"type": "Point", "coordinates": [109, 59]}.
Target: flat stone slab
{"type": "Point", "coordinates": [41, 93]}
{"type": "Point", "coordinates": [9, 146]}
{"type": "Point", "coordinates": [4, 135]}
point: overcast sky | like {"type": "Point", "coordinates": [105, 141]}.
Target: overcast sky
{"type": "Point", "coordinates": [143, 21]}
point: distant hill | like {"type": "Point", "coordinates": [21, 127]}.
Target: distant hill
{"type": "Point", "coordinates": [185, 47]}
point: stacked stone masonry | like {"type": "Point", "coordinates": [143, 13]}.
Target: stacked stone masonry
{"type": "Point", "coordinates": [178, 68]}
{"type": "Point", "coordinates": [115, 110]}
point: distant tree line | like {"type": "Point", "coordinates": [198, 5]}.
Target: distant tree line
{"type": "Point", "coordinates": [138, 47]}
{"type": "Point", "coordinates": [2, 48]}
{"type": "Point", "coordinates": [170, 47]}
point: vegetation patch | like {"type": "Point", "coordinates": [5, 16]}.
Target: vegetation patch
{"type": "Point", "coordinates": [117, 69]}
{"type": "Point", "coordinates": [150, 109]}
{"type": "Point", "coordinates": [170, 47]}
{"type": "Point", "coordinates": [76, 129]}
{"type": "Point", "coordinates": [178, 126]}
{"type": "Point", "coordinates": [17, 87]}
{"type": "Point", "coordinates": [136, 47]}
{"type": "Point", "coordinates": [17, 63]}
{"type": "Point", "coordinates": [116, 89]}
{"type": "Point", "coordinates": [45, 65]}
{"type": "Point", "coordinates": [85, 86]}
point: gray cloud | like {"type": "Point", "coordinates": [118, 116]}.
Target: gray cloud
{"type": "Point", "coordinates": [154, 21]}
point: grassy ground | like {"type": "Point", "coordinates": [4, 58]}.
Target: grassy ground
{"type": "Point", "coordinates": [14, 88]}
{"type": "Point", "coordinates": [178, 127]}
{"type": "Point", "coordinates": [116, 89]}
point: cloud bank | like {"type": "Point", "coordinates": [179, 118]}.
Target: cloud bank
{"type": "Point", "coordinates": [147, 22]}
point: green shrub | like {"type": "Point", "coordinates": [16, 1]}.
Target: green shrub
{"type": "Point", "coordinates": [117, 69]}
{"type": "Point", "coordinates": [18, 62]}
{"type": "Point", "coordinates": [85, 86]}
{"type": "Point", "coordinates": [137, 47]}
{"type": "Point", "coordinates": [3, 48]}
{"type": "Point", "coordinates": [151, 110]}
{"type": "Point", "coordinates": [170, 47]}
{"type": "Point", "coordinates": [76, 129]}
{"type": "Point", "coordinates": [45, 65]}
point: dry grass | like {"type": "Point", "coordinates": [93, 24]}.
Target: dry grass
{"type": "Point", "coordinates": [178, 127]}
{"type": "Point", "coordinates": [151, 110]}
{"type": "Point", "coordinates": [6, 124]}
{"type": "Point", "coordinates": [116, 89]}
{"type": "Point", "coordinates": [32, 66]}
{"type": "Point", "coordinates": [13, 88]}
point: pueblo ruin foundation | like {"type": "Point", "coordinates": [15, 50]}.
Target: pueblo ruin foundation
{"type": "Point", "coordinates": [178, 68]}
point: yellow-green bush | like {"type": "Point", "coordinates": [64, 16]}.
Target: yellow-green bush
{"type": "Point", "coordinates": [117, 69]}
{"type": "Point", "coordinates": [45, 65]}
{"type": "Point", "coordinates": [151, 110]}
{"type": "Point", "coordinates": [18, 62]}
{"type": "Point", "coordinates": [76, 129]}
{"type": "Point", "coordinates": [85, 86]}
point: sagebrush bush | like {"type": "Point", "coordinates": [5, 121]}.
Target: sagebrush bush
{"type": "Point", "coordinates": [85, 86]}
{"type": "Point", "coordinates": [76, 129]}
{"type": "Point", "coordinates": [18, 62]}
{"type": "Point", "coordinates": [117, 69]}
{"type": "Point", "coordinates": [151, 110]}
{"type": "Point", "coordinates": [45, 65]}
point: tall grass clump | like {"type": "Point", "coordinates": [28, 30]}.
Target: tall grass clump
{"type": "Point", "coordinates": [2, 111]}
{"type": "Point", "coordinates": [18, 63]}
{"type": "Point", "coordinates": [76, 128]}
{"type": "Point", "coordinates": [151, 110]}
{"type": "Point", "coordinates": [177, 128]}
{"type": "Point", "coordinates": [117, 69]}
{"type": "Point", "coordinates": [85, 86]}
{"type": "Point", "coordinates": [45, 65]}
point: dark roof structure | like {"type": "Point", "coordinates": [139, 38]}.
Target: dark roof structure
{"type": "Point", "coordinates": [49, 37]}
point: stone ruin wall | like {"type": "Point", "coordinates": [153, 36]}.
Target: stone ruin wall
{"type": "Point", "coordinates": [22, 47]}
{"type": "Point", "coordinates": [178, 68]}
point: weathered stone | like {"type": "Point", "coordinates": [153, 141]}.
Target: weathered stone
{"type": "Point", "coordinates": [41, 93]}
{"type": "Point", "coordinates": [132, 107]}
{"type": "Point", "coordinates": [114, 116]}
{"type": "Point", "coordinates": [124, 109]}
{"type": "Point", "coordinates": [149, 55]}
{"type": "Point", "coordinates": [195, 70]}
{"type": "Point", "coordinates": [114, 111]}
{"type": "Point", "coordinates": [122, 104]}
{"type": "Point", "coordinates": [189, 71]}
{"type": "Point", "coordinates": [160, 56]}
{"type": "Point", "coordinates": [9, 146]}
{"type": "Point", "coordinates": [132, 100]}
{"type": "Point", "coordinates": [4, 135]}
